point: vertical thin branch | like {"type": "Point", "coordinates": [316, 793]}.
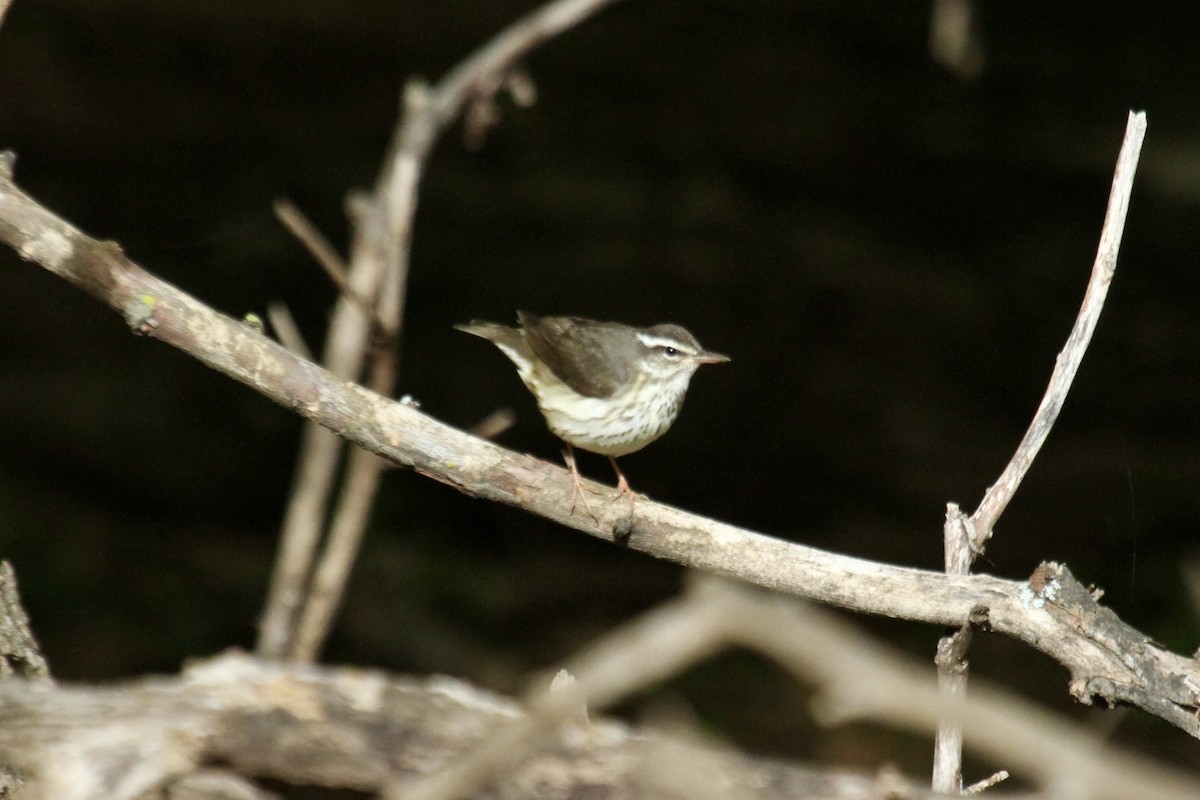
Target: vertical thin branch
{"type": "Point", "coordinates": [320, 452]}
{"type": "Point", "coordinates": [951, 660]}
{"type": "Point", "coordinates": [1067, 364]}
{"type": "Point", "coordinates": [963, 537]}
{"type": "Point", "coordinates": [361, 484]}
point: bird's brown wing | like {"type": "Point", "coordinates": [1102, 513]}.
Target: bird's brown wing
{"type": "Point", "coordinates": [580, 352]}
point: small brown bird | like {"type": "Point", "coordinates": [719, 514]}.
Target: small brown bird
{"type": "Point", "coordinates": [603, 387]}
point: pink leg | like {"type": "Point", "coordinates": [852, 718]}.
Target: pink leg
{"type": "Point", "coordinates": [622, 484]}
{"type": "Point", "coordinates": [578, 491]}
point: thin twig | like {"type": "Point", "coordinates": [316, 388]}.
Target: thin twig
{"type": "Point", "coordinates": [320, 451]}
{"type": "Point", "coordinates": [1066, 365]}
{"type": "Point", "coordinates": [350, 517]}
{"type": "Point", "coordinates": [951, 660]}
{"type": "Point", "coordinates": [494, 423]}
{"type": "Point", "coordinates": [327, 258]}
{"type": "Point", "coordinates": [346, 347]}
{"type": "Point", "coordinates": [979, 787]}
{"type": "Point", "coordinates": [337, 559]}
{"type": "Point", "coordinates": [286, 329]}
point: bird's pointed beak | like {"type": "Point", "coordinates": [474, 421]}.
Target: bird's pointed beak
{"type": "Point", "coordinates": [704, 357]}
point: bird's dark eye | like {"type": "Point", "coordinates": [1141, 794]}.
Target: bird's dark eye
{"type": "Point", "coordinates": [670, 352]}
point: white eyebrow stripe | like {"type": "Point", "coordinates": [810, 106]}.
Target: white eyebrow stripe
{"type": "Point", "coordinates": [660, 341]}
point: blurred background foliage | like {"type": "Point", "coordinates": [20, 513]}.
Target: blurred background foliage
{"type": "Point", "coordinates": [892, 254]}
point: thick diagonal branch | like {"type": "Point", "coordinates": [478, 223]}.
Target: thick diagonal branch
{"type": "Point", "coordinates": [1051, 612]}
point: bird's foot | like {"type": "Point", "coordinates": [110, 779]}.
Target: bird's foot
{"type": "Point", "coordinates": [579, 492]}
{"type": "Point", "coordinates": [579, 495]}
{"type": "Point", "coordinates": [623, 486]}
{"type": "Point", "coordinates": [625, 526]}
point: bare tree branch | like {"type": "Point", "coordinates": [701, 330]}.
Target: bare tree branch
{"type": "Point", "coordinates": [439, 739]}
{"type": "Point", "coordinates": [951, 658]}
{"type": "Point", "coordinates": [964, 538]}
{"type": "Point", "coordinates": [1067, 364]}
{"type": "Point", "coordinates": [862, 679]}
{"type": "Point", "coordinates": [338, 727]}
{"type": "Point", "coordinates": [1051, 611]}
{"type": "Point", "coordinates": [301, 227]}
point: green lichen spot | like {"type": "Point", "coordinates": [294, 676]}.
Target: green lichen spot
{"type": "Point", "coordinates": [139, 313]}
{"type": "Point", "coordinates": [254, 322]}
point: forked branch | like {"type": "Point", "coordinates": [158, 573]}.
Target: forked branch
{"type": "Point", "coordinates": [964, 537]}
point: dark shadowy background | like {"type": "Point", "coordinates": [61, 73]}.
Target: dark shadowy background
{"type": "Point", "coordinates": [892, 256]}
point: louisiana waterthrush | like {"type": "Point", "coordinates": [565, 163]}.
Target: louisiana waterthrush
{"type": "Point", "coordinates": [603, 387]}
